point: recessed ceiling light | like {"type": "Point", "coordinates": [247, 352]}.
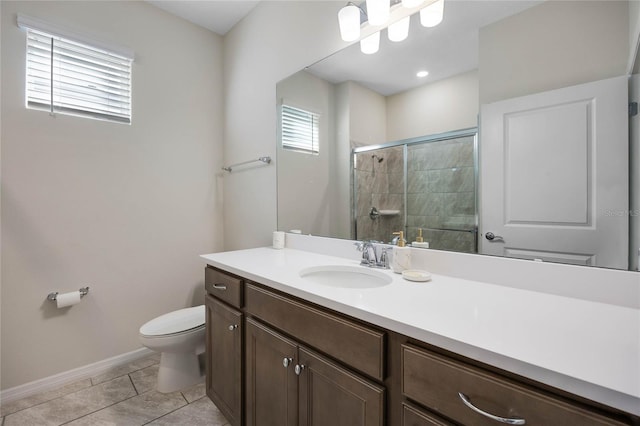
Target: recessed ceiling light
{"type": "Point", "coordinates": [422, 74]}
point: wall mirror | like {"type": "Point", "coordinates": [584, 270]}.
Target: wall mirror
{"type": "Point", "coordinates": [502, 149]}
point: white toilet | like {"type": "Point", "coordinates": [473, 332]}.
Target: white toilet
{"type": "Point", "coordinates": [179, 337]}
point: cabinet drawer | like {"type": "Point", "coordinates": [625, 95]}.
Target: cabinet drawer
{"type": "Point", "coordinates": [357, 346]}
{"type": "Point", "coordinates": [414, 417]}
{"type": "Point", "coordinates": [223, 286]}
{"type": "Point", "coordinates": [435, 381]}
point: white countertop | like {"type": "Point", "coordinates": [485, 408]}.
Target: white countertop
{"type": "Point", "coordinates": [587, 348]}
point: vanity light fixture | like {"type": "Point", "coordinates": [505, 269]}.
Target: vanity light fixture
{"type": "Point", "coordinates": [433, 14]}
{"type": "Point", "coordinates": [378, 12]}
{"type": "Point", "coordinates": [349, 20]}
{"type": "Point", "coordinates": [399, 30]}
{"type": "Point", "coordinates": [370, 45]}
{"type": "Point", "coordinates": [422, 74]}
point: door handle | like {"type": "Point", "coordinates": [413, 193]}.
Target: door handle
{"type": "Point", "coordinates": [506, 420]}
{"type": "Point", "coordinates": [493, 237]}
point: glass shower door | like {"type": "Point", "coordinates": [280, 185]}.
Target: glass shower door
{"type": "Point", "coordinates": [441, 193]}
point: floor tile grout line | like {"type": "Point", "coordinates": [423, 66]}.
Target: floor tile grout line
{"type": "Point", "coordinates": [133, 384]}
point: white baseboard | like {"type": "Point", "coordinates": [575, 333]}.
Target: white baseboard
{"type": "Point", "coordinates": [80, 373]}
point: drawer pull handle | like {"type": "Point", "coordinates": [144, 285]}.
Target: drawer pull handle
{"type": "Point", "coordinates": [219, 287]}
{"type": "Point", "coordinates": [299, 369]}
{"type": "Point", "coordinates": [286, 362]}
{"type": "Point", "coordinates": [233, 327]}
{"type": "Point", "coordinates": [467, 402]}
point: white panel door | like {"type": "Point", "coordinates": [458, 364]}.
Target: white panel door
{"type": "Point", "coordinates": [554, 175]}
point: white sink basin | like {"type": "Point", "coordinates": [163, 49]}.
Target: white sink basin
{"type": "Point", "coordinates": [345, 276]}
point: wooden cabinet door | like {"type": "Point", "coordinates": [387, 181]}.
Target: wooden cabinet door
{"type": "Point", "coordinates": [271, 383]}
{"type": "Point", "coordinates": [224, 358]}
{"type": "Point", "coordinates": [333, 396]}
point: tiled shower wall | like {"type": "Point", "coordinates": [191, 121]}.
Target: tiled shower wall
{"type": "Point", "coordinates": [441, 191]}
{"type": "Point", "coordinates": [380, 185]}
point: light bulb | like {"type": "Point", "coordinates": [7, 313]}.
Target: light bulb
{"type": "Point", "coordinates": [371, 44]}
{"type": "Point", "coordinates": [378, 11]}
{"type": "Point", "coordinates": [432, 15]}
{"type": "Point", "coordinates": [422, 74]}
{"type": "Point", "coordinates": [349, 20]}
{"type": "Point", "coordinates": [399, 30]}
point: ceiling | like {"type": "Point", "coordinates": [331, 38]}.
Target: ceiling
{"type": "Point", "coordinates": [448, 49]}
{"type": "Point", "coordinates": [218, 16]}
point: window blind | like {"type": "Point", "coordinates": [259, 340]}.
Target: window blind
{"type": "Point", "coordinates": [71, 77]}
{"type": "Point", "coordinates": [300, 130]}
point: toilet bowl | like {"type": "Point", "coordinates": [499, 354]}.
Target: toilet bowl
{"type": "Point", "coordinates": [179, 337]}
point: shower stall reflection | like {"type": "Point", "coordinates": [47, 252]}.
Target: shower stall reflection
{"type": "Point", "coordinates": [426, 183]}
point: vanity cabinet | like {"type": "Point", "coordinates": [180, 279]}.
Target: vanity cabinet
{"type": "Point", "coordinates": [289, 385]}
{"type": "Point", "coordinates": [274, 359]}
{"type": "Point", "coordinates": [224, 334]}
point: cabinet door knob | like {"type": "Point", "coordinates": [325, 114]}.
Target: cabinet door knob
{"type": "Point", "coordinates": [510, 421]}
{"type": "Point", "coordinates": [233, 327]}
{"type": "Point", "coordinates": [299, 368]}
{"type": "Point", "coordinates": [286, 362]}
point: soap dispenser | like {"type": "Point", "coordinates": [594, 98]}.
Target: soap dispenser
{"type": "Point", "coordinates": [419, 242]}
{"type": "Point", "coordinates": [401, 257]}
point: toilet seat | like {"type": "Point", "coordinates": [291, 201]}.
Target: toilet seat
{"type": "Point", "coordinates": [176, 322]}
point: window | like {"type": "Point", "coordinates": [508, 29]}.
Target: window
{"type": "Point", "coordinates": [300, 130]}
{"type": "Point", "coordinates": [69, 77]}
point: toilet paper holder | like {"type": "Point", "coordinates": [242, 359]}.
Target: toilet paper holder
{"type": "Point", "coordinates": [53, 296]}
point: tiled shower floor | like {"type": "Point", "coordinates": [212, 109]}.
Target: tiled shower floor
{"type": "Point", "coordinates": [123, 396]}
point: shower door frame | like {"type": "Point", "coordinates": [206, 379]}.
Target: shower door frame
{"type": "Point", "coordinates": [438, 137]}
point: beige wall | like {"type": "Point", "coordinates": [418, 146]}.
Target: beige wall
{"type": "Point", "coordinates": [123, 209]}
{"type": "Point", "coordinates": [367, 116]}
{"type": "Point", "coordinates": [442, 106]}
{"type": "Point", "coordinates": [341, 168]}
{"type": "Point", "coordinates": [276, 40]}
{"type": "Point", "coordinates": [553, 45]}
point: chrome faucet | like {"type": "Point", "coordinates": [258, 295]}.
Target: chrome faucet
{"type": "Point", "coordinates": [370, 257]}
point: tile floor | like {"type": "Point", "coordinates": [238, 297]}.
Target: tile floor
{"type": "Point", "coordinates": [122, 396]}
